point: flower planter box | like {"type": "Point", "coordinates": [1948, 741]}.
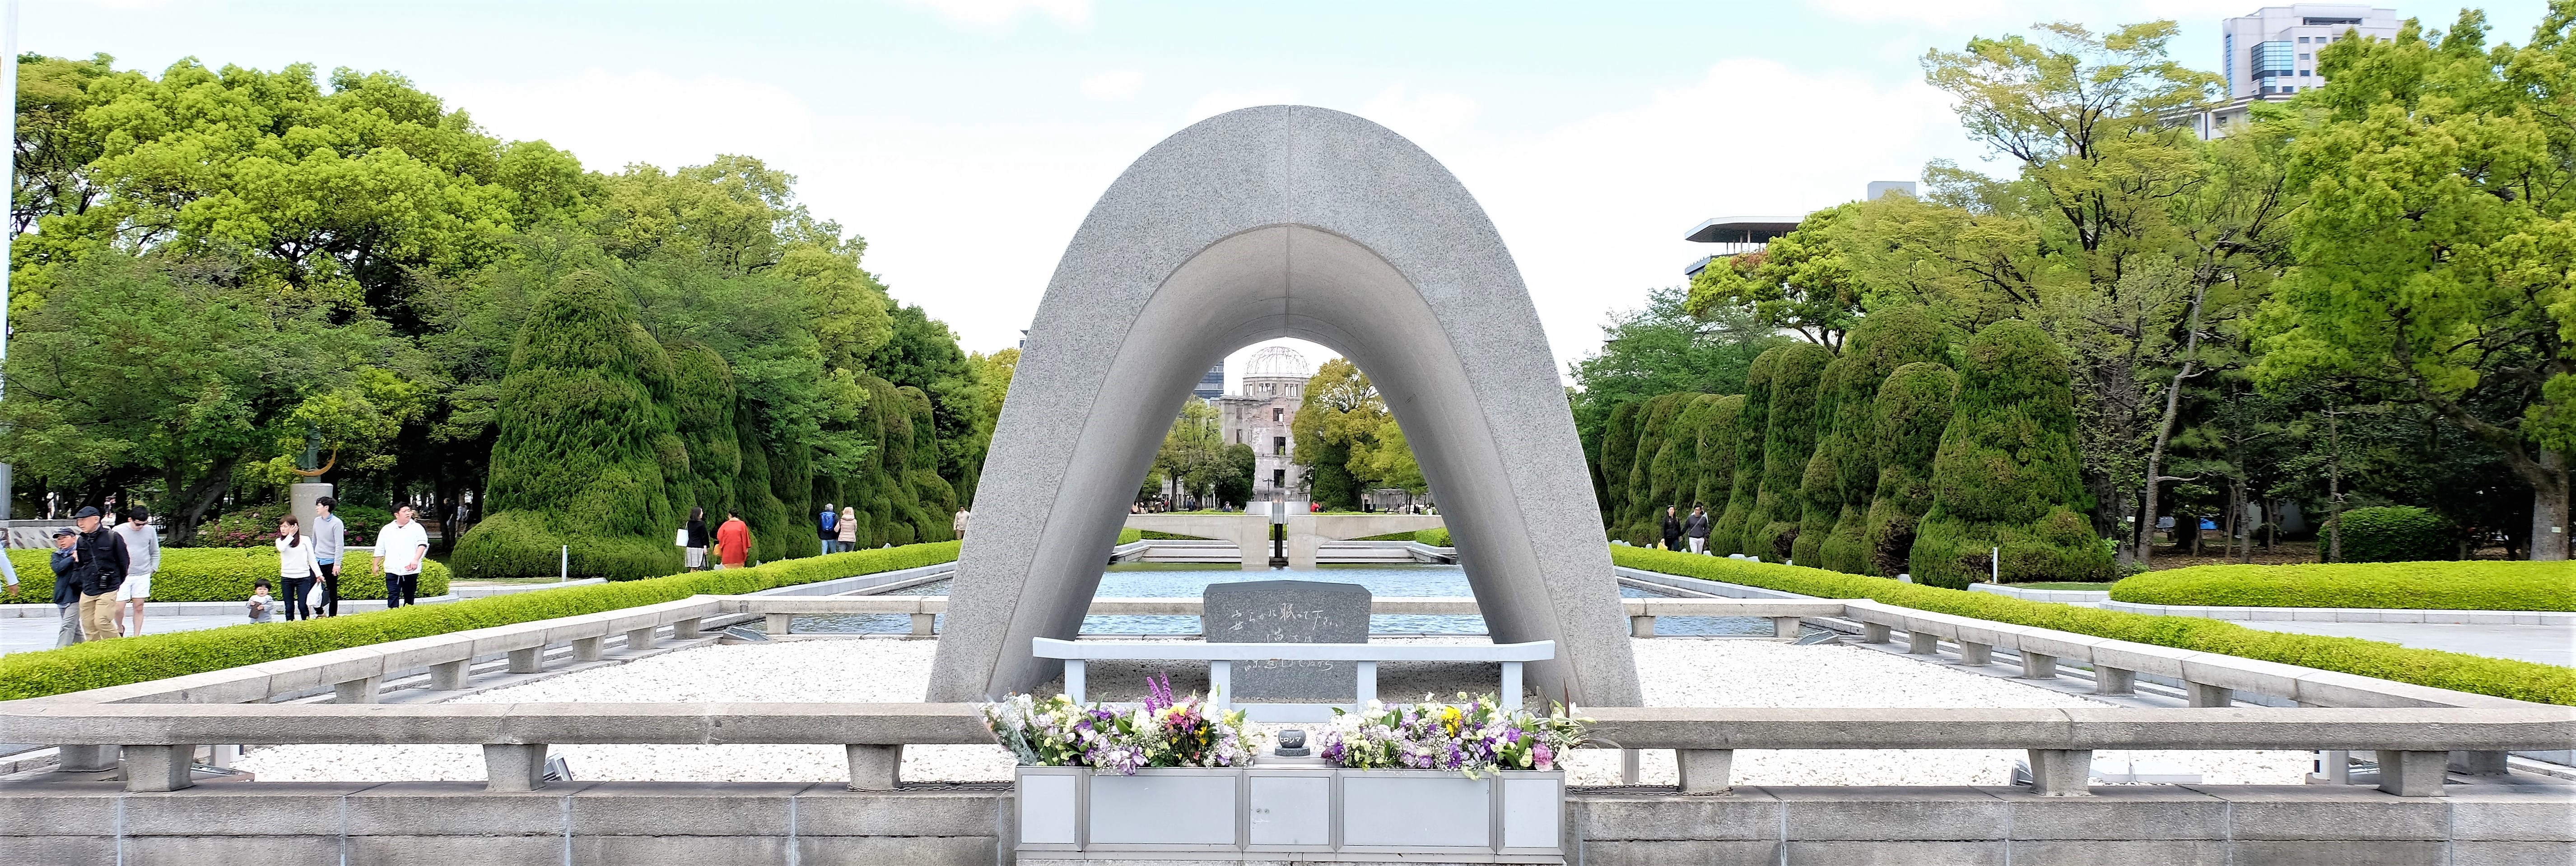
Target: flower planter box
{"type": "Point", "coordinates": [1258, 812]}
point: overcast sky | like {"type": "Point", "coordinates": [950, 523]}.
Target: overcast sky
{"type": "Point", "coordinates": [965, 139]}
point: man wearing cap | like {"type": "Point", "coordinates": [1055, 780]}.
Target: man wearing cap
{"type": "Point", "coordinates": [67, 582]}
{"type": "Point", "coordinates": [142, 557]}
{"type": "Point", "coordinates": [102, 562]}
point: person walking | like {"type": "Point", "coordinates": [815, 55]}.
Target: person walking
{"type": "Point", "coordinates": [298, 566]}
{"type": "Point", "coordinates": [848, 530]}
{"type": "Point", "coordinates": [1672, 529]}
{"type": "Point", "coordinates": [142, 557]}
{"type": "Point", "coordinates": [1695, 528]}
{"type": "Point", "coordinates": [958, 525]}
{"type": "Point", "coordinates": [330, 542]}
{"type": "Point", "coordinates": [67, 584]}
{"type": "Point", "coordinates": [733, 542]}
{"type": "Point", "coordinates": [102, 565]}
{"type": "Point", "coordinates": [695, 538]}
{"type": "Point", "coordinates": [824, 536]}
{"type": "Point", "coordinates": [399, 549]}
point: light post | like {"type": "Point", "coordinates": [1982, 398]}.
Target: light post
{"type": "Point", "coordinates": [8, 170]}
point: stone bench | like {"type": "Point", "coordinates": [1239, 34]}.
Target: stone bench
{"type": "Point", "coordinates": [1364, 656]}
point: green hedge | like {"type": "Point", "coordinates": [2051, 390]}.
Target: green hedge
{"type": "Point", "coordinates": [1130, 536]}
{"type": "Point", "coordinates": [2520, 680]}
{"type": "Point", "coordinates": [2451, 585]}
{"type": "Point", "coordinates": [1436, 537]}
{"type": "Point", "coordinates": [212, 574]}
{"type": "Point", "coordinates": [140, 659]}
{"type": "Point", "coordinates": [2396, 533]}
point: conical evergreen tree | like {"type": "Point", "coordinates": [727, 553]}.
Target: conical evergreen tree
{"type": "Point", "coordinates": [1717, 444]}
{"type": "Point", "coordinates": [756, 496]}
{"type": "Point", "coordinates": [1752, 424]}
{"type": "Point", "coordinates": [1645, 518]}
{"type": "Point", "coordinates": [1912, 409]}
{"type": "Point", "coordinates": [1789, 440]}
{"type": "Point", "coordinates": [2006, 476]}
{"type": "Point", "coordinates": [586, 443]}
{"type": "Point", "coordinates": [1844, 471]}
{"type": "Point", "coordinates": [1677, 463]}
{"type": "Point", "coordinates": [703, 402]}
{"type": "Point", "coordinates": [1618, 452]}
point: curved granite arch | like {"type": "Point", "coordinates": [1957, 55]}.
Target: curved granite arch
{"type": "Point", "coordinates": [1286, 221]}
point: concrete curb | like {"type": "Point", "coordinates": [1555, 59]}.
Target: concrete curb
{"type": "Point", "coordinates": [2561, 619]}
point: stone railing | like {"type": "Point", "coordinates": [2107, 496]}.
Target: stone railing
{"type": "Point", "coordinates": [780, 612]}
{"type": "Point", "coordinates": [2413, 744]}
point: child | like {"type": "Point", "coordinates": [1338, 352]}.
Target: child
{"type": "Point", "coordinates": [260, 602]}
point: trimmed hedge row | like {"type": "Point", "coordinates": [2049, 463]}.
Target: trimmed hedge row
{"type": "Point", "coordinates": [212, 574]}
{"type": "Point", "coordinates": [151, 657]}
{"type": "Point", "coordinates": [2396, 533]}
{"type": "Point", "coordinates": [2451, 585]}
{"type": "Point", "coordinates": [1436, 537]}
{"type": "Point", "coordinates": [2519, 680]}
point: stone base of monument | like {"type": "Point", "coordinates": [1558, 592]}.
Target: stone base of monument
{"type": "Point", "coordinates": [1261, 813]}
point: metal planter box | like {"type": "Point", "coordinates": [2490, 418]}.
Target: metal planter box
{"type": "Point", "coordinates": [1321, 813]}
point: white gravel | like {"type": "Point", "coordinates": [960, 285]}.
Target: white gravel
{"type": "Point", "coordinates": [1676, 672]}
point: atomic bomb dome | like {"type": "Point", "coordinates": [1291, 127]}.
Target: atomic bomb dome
{"type": "Point", "coordinates": [1277, 362]}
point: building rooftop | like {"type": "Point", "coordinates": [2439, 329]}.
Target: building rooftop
{"type": "Point", "coordinates": [1277, 362]}
{"type": "Point", "coordinates": [1741, 229]}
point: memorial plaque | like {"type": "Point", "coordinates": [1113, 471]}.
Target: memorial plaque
{"type": "Point", "coordinates": [1288, 611]}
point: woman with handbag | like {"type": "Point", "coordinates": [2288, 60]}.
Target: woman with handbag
{"type": "Point", "coordinates": [296, 569]}
{"type": "Point", "coordinates": [848, 528]}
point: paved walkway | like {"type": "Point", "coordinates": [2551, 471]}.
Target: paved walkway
{"type": "Point", "coordinates": [20, 634]}
{"type": "Point", "coordinates": [2554, 645]}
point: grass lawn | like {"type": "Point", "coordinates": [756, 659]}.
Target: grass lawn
{"type": "Point", "coordinates": [2064, 584]}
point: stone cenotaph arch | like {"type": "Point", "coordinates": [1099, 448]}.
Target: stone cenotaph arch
{"type": "Point", "coordinates": [1286, 221]}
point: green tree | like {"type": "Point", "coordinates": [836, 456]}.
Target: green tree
{"type": "Point", "coordinates": [1788, 441]}
{"type": "Point", "coordinates": [1912, 409]}
{"type": "Point", "coordinates": [1234, 480]}
{"type": "Point", "coordinates": [1661, 348]}
{"type": "Point", "coordinates": [1645, 514]}
{"type": "Point", "coordinates": [1616, 452]}
{"type": "Point", "coordinates": [1842, 478]}
{"type": "Point", "coordinates": [2433, 255]}
{"type": "Point", "coordinates": [1800, 282]}
{"type": "Point", "coordinates": [587, 442]}
{"type": "Point", "coordinates": [1717, 446]}
{"type": "Point", "coordinates": [2006, 475]}
{"type": "Point", "coordinates": [1348, 441]}
{"type": "Point", "coordinates": [1735, 530]}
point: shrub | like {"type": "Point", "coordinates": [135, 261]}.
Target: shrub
{"type": "Point", "coordinates": [1130, 536]}
{"type": "Point", "coordinates": [151, 657]}
{"type": "Point", "coordinates": [2453, 585]}
{"type": "Point", "coordinates": [1676, 474]}
{"type": "Point", "coordinates": [1436, 537]}
{"type": "Point", "coordinates": [256, 526]}
{"type": "Point", "coordinates": [1618, 452]}
{"type": "Point", "coordinates": [1717, 445]}
{"type": "Point", "coordinates": [585, 433]}
{"type": "Point", "coordinates": [1789, 439]}
{"type": "Point", "coordinates": [215, 574]}
{"type": "Point", "coordinates": [2396, 533]}
{"type": "Point", "coordinates": [2006, 475]}
{"type": "Point", "coordinates": [1843, 474]}
{"type": "Point", "coordinates": [1912, 408]}
{"type": "Point", "coordinates": [2504, 678]}
{"type": "Point", "coordinates": [703, 402]}
{"type": "Point", "coordinates": [1645, 517]}
{"type": "Point", "coordinates": [1751, 425]}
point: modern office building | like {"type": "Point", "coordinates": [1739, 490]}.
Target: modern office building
{"type": "Point", "coordinates": [1274, 383]}
{"type": "Point", "coordinates": [2271, 55]}
{"type": "Point", "coordinates": [1212, 385]}
{"type": "Point", "coordinates": [1737, 235]}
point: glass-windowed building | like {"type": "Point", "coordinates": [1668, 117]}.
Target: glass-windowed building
{"type": "Point", "coordinates": [2273, 52]}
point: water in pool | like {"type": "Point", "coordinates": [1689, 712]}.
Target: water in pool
{"type": "Point", "coordinates": [1187, 580]}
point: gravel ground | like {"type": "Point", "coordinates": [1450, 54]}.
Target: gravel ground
{"type": "Point", "coordinates": [1677, 672]}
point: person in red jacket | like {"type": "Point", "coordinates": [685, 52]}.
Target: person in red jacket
{"type": "Point", "coordinates": [733, 542]}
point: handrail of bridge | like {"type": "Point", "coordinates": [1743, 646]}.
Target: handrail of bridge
{"type": "Point", "coordinates": [2413, 743]}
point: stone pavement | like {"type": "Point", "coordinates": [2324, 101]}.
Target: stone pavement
{"type": "Point", "coordinates": [2554, 645]}
{"type": "Point", "coordinates": [20, 634]}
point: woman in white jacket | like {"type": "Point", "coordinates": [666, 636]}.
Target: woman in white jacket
{"type": "Point", "coordinates": [295, 568]}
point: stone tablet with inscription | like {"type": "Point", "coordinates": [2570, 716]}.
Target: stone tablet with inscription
{"type": "Point", "coordinates": [1288, 611]}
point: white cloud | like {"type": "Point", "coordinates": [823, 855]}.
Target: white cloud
{"type": "Point", "coordinates": [1594, 210]}
{"type": "Point", "coordinates": [996, 13]}
{"type": "Point", "coordinates": [1218, 102]}
{"type": "Point", "coordinates": [611, 119]}
{"type": "Point", "coordinates": [1114, 84]}
{"type": "Point", "coordinates": [2002, 15]}
{"type": "Point", "coordinates": [1427, 116]}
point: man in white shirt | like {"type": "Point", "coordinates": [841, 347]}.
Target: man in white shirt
{"type": "Point", "coordinates": [399, 549]}
{"type": "Point", "coordinates": [142, 558]}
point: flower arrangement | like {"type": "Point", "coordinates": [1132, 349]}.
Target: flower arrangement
{"type": "Point", "coordinates": [1165, 732]}
{"type": "Point", "coordinates": [1472, 736]}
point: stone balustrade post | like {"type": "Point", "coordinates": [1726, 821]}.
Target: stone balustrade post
{"type": "Point", "coordinates": [2206, 695]}
{"type": "Point", "coordinates": [1784, 627]}
{"type": "Point", "coordinates": [1871, 632]}
{"type": "Point", "coordinates": [2478, 763]}
{"type": "Point", "coordinates": [2114, 681]}
{"type": "Point", "coordinates": [2038, 666]}
{"type": "Point", "coordinates": [85, 759]}
{"type": "Point", "coordinates": [528, 660]}
{"type": "Point", "coordinates": [1641, 626]}
{"type": "Point", "coordinates": [875, 768]}
{"type": "Point", "coordinates": [1705, 771]}
{"type": "Point", "coordinates": [1922, 643]}
{"type": "Point", "coordinates": [514, 767]}
{"type": "Point", "coordinates": [357, 691]}
{"type": "Point", "coordinates": [779, 623]}
{"type": "Point", "coordinates": [686, 629]}
{"type": "Point", "coordinates": [588, 649]}
{"type": "Point", "coordinates": [1976, 654]}
{"type": "Point", "coordinates": [159, 768]}
{"type": "Point", "coordinates": [923, 624]}
{"type": "Point", "coordinates": [2061, 772]}
{"type": "Point", "coordinates": [2412, 774]}
{"type": "Point", "coordinates": [449, 676]}
{"type": "Point", "coordinates": [639, 638]}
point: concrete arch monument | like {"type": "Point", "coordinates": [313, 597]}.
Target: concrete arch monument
{"type": "Point", "coordinates": [1286, 221]}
